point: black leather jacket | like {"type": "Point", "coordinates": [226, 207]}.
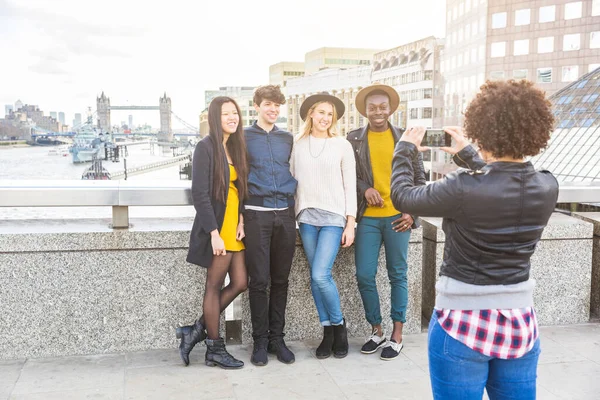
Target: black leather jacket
{"type": "Point", "coordinates": [364, 172]}
{"type": "Point", "coordinates": [494, 214]}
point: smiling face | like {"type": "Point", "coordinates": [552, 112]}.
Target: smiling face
{"type": "Point", "coordinates": [267, 111]}
{"type": "Point", "coordinates": [378, 110]}
{"type": "Point", "coordinates": [322, 117]}
{"type": "Point", "coordinates": [230, 118]}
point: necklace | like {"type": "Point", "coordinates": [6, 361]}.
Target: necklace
{"type": "Point", "coordinates": [310, 147]}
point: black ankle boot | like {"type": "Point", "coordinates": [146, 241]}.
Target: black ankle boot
{"type": "Point", "coordinates": [324, 349]}
{"type": "Point", "coordinates": [190, 336]}
{"type": "Point", "coordinates": [216, 354]}
{"type": "Point", "coordinates": [340, 340]}
{"type": "Point", "coordinates": [284, 354]}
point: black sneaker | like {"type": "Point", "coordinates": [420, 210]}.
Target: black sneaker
{"type": "Point", "coordinates": [259, 353]}
{"type": "Point", "coordinates": [284, 354]}
{"type": "Point", "coordinates": [373, 343]}
{"type": "Point", "coordinates": [391, 350]}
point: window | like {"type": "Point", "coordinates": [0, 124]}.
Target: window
{"type": "Point", "coordinates": [570, 74]}
{"type": "Point", "coordinates": [428, 93]}
{"type": "Point", "coordinates": [467, 31]}
{"type": "Point", "coordinates": [522, 17]}
{"type": "Point", "coordinates": [595, 40]}
{"type": "Point", "coordinates": [473, 55]}
{"type": "Point", "coordinates": [460, 35]}
{"type": "Point", "coordinates": [414, 113]}
{"type": "Point", "coordinates": [593, 67]}
{"type": "Point", "coordinates": [467, 6]}
{"type": "Point", "coordinates": [474, 28]}
{"type": "Point", "coordinates": [459, 62]}
{"type": "Point", "coordinates": [547, 14]}
{"type": "Point", "coordinates": [544, 75]}
{"type": "Point", "coordinates": [573, 10]}
{"type": "Point", "coordinates": [589, 98]}
{"type": "Point", "coordinates": [499, 20]}
{"type": "Point", "coordinates": [449, 16]}
{"type": "Point", "coordinates": [521, 47]}
{"type": "Point", "coordinates": [546, 44]}
{"type": "Point", "coordinates": [520, 74]}
{"type": "Point", "coordinates": [495, 75]}
{"type": "Point", "coordinates": [595, 7]}
{"type": "Point", "coordinates": [454, 13]}
{"type": "Point", "coordinates": [461, 9]}
{"type": "Point", "coordinates": [481, 53]}
{"type": "Point", "coordinates": [498, 49]}
{"type": "Point", "coordinates": [571, 42]}
{"type": "Point", "coordinates": [427, 112]}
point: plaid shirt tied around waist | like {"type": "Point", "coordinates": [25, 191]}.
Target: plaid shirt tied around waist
{"type": "Point", "coordinates": [504, 334]}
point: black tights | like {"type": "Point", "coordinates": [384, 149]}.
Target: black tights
{"type": "Point", "coordinates": [217, 297]}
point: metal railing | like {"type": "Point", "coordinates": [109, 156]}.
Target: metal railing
{"type": "Point", "coordinates": [120, 195]}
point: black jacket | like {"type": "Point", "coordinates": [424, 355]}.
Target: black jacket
{"type": "Point", "coordinates": [270, 183]}
{"type": "Point", "coordinates": [210, 212]}
{"type": "Point", "coordinates": [494, 214]}
{"type": "Point", "coordinates": [364, 171]}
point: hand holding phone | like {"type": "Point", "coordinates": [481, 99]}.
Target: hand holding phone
{"type": "Point", "coordinates": [436, 138]}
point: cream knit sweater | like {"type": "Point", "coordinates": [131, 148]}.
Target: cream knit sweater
{"type": "Point", "coordinates": [326, 175]}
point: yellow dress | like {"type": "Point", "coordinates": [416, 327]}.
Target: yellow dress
{"type": "Point", "coordinates": [230, 222]}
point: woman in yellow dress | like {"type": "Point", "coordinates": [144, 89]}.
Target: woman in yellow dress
{"type": "Point", "coordinates": [219, 185]}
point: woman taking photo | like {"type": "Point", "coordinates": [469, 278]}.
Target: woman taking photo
{"type": "Point", "coordinates": [219, 185]}
{"type": "Point", "coordinates": [323, 164]}
{"type": "Point", "coordinates": [483, 332]}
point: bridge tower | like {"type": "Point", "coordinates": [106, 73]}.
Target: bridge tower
{"type": "Point", "coordinates": [165, 134]}
{"type": "Point", "coordinates": [103, 109]}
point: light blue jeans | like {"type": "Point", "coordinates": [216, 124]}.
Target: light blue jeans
{"type": "Point", "coordinates": [459, 372]}
{"type": "Point", "coordinates": [321, 245]}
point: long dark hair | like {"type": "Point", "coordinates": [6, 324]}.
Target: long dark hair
{"type": "Point", "coordinates": [236, 146]}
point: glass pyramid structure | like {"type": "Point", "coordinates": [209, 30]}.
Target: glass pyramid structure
{"type": "Point", "coordinates": [573, 153]}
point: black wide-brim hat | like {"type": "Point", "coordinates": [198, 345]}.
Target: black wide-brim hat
{"type": "Point", "coordinates": [361, 98]}
{"type": "Point", "coordinates": [340, 108]}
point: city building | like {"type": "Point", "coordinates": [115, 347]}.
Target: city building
{"type": "Point", "coordinates": [61, 117]}
{"type": "Point", "coordinates": [77, 120]}
{"type": "Point", "coordinates": [243, 95]}
{"type": "Point", "coordinates": [130, 126]}
{"type": "Point", "coordinates": [552, 43]}
{"type": "Point", "coordinates": [18, 105]}
{"type": "Point", "coordinates": [204, 123]}
{"type": "Point", "coordinates": [8, 108]}
{"type": "Point", "coordinates": [281, 72]}
{"type": "Point", "coordinates": [336, 57]}
{"type": "Point", "coordinates": [54, 114]}
{"type": "Point", "coordinates": [343, 83]}
{"type": "Point", "coordinates": [573, 153]}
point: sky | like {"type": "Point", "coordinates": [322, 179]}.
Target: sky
{"type": "Point", "coordinates": [61, 54]}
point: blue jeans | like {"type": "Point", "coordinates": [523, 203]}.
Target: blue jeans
{"type": "Point", "coordinates": [459, 372]}
{"type": "Point", "coordinates": [370, 235]}
{"type": "Point", "coordinates": [321, 245]}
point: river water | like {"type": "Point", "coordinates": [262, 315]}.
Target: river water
{"type": "Point", "coordinates": [35, 163]}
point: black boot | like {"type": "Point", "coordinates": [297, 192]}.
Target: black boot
{"type": "Point", "coordinates": [340, 340]}
{"type": "Point", "coordinates": [259, 352]}
{"type": "Point", "coordinates": [216, 354]}
{"type": "Point", "coordinates": [278, 346]}
{"type": "Point", "coordinates": [324, 349]}
{"type": "Point", "coordinates": [190, 335]}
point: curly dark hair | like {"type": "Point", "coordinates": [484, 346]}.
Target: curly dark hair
{"type": "Point", "coordinates": [510, 119]}
{"type": "Point", "coordinates": [269, 92]}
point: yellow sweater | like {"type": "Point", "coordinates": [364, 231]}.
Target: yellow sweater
{"type": "Point", "coordinates": [381, 150]}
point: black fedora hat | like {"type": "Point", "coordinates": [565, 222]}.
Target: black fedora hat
{"type": "Point", "coordinates": [340, 108]}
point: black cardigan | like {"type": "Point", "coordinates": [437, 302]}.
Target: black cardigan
{"type": "Point", "coordinates": [210, 212]}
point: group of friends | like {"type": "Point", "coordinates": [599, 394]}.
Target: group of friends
{"type": "Point", "coordinates": [253, 188]}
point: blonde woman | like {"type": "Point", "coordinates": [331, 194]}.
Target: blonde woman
{"type": "Point", "coordinates": [323, 164]}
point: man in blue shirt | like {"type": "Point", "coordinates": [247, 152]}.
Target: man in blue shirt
{"type": "Point", "coordinates": [270, 224]}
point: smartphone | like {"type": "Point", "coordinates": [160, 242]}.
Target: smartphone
{"type": "Point", "coordinates": [436, 138]}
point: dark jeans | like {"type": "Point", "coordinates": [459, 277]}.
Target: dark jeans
{"type": "Point", "coordinates": [270, 244]}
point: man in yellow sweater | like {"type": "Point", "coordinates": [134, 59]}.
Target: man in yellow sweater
{"type": "Point", "coordinates": [378, 221]}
